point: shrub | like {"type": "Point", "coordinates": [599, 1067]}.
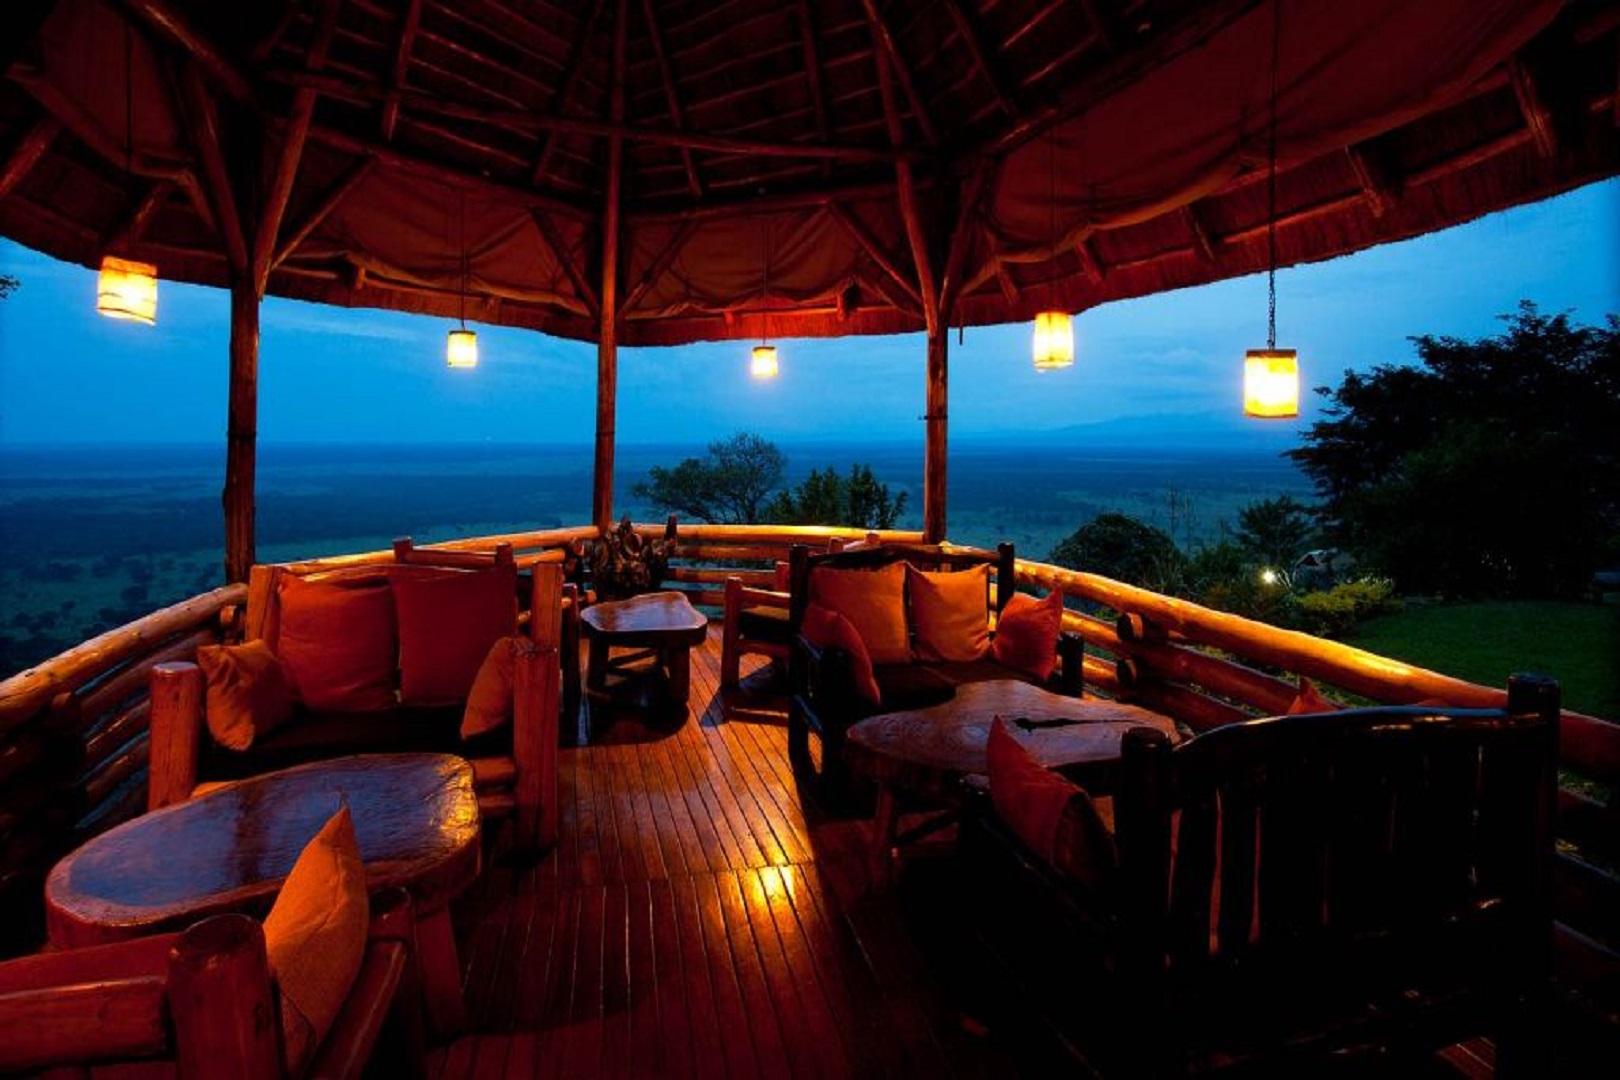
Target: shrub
{"type": "Point", "coordinates": [1334, 612]}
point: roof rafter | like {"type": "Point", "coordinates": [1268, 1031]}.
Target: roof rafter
{"type": "Point", "coordinates": [409, 25]}
{"type": "Point", "coordinates": [570, 84]}
{"type": "Point", "coordinates": [322, 210]}
{"type": "Point", "coordinates": [672, 98]}
{"type": "Point", "coordinates": [26, 154]}
{"type": "Point", "coordinates": [981, 59]}
{"type": "Point", "coordinates": [886, 47]}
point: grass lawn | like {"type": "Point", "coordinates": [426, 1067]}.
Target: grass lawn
{"type": "Point", "coordinates": [1578, 644]}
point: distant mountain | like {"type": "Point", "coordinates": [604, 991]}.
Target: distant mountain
{"type": "Point", "coordinates": [1219, 430]}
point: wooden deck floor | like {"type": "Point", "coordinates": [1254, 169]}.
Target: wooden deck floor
{"type": "Point", "coordinates": [697, 920]}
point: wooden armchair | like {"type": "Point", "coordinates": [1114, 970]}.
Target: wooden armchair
{"type": "Point", "coordinates": [203, 1003]}
{"type": "Point", "coordinates": [1295, 894]}
{"type": "Point", "coordinates": [756, 621]}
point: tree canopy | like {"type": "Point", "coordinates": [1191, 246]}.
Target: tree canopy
{"type": "Point", "coordinates": [1121, 548]}
{"type": "Point", "coordinates": [1488, 468]}
{"type": "Point", "coordinates": [728, 487]}
{"type": "Point", "coordinates": [1275, 531]}
{"type": "Point", "coordinates": [825, 498]}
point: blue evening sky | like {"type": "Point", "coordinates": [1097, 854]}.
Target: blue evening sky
{"type": "Point", "coordinates": [1164, 366]}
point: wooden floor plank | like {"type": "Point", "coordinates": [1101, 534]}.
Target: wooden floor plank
{"type": "Point", "coordinates": [725, 921]}
{"type": "Point", "coordinates": [616, 985]}
{"type": "Point", "coordinates": [702, 834]}
{"type": "Point", "coordinates": [807, 1022]}
{"type": "Point", "coordinates": [647, 1050]}
{"type": "Point", "coordinates": [670, 988]}
{"type": "Point", "coordinates": [714, 996]}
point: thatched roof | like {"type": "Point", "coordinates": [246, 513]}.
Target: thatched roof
{"type": "Point", "coordinates": [1024, 153]}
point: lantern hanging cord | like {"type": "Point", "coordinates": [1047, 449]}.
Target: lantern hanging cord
{"type": "Point", "coordinates": [461, 215]}
{"type": "Point", "coordinates": [129, 97]}
{"type": "Point", "coordinates": [1271, 185]}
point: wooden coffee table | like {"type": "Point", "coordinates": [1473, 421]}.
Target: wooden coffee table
{"type": "Point", "coordinates": [229, 850]}
{"type": "Point", "coordinates": [923, 754]}
{"type": "Point", "coordinates": [663, 623]}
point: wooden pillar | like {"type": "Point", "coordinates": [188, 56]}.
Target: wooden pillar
{"type": "Point", "coordinates": [242, 448]}
{"type": "Point", "coordinates": [936, 432]}
{"type": "Point", "coordinates": [607, 344]}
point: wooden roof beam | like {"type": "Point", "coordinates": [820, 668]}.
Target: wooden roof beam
{"type": "Point", "coordinates": [1203, 240]}
{"type": "Point", "coordinates": [559, 251]}
{"type": "Point", "coordinates": [981, 60]}
{"type": "Point", "coordinates": [887, 48]}
{"type": "Point", "coordinates": [1103, 24]}
{"type": "Point", "coordinates": [172, 25]}
{"type": "Point", "coordinates": [1538, 116]}
{"type": "Point", "coordinates": [672, 98]}
{"type": "Point", "coordinates": [216, 178]}
{"type": "Point", "coordinates": [1009, 287]}
{"type": "Point", "coordinates": [870, 245]}
{"type": "Point", "coordinates": [1378, 185]}
{"type": "Point", "coordinates": [409, 25]}
{"type": "Point", "coordinates": [130, 230]}
{"type": "Point", "coordinates": [967, 218]}
{"type": "Point", "coordinates": [26, 154]}
{"type": "Point", "coordinates": [656, 268]}
{"type": "Point", "coordinates": [570, 84]}
{"type": "Point", "coordinates": [292, 152]}
{"type": "Point", "coordinates": [1090, 264]}
{"type": "Point", "coordinates": [812, 76]}
{"type": "Point", "coordinates": [322, 210]}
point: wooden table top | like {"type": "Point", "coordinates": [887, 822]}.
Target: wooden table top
{"type": "Point", "coordinates": [415, 816]}
{"type": "Point", "coordinates": [928, 751]}
{"type": "Point", "coordinates": [665, 615]}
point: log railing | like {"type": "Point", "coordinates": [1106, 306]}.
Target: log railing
{"type": "Point", "coordinates": [73, 731]}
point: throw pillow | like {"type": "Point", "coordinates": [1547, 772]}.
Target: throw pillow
{"type": "Point", "coordinates": [489, 702]}
{"type": "Point", "coordinates": [1309, 700]}
{"type": "Point", "coordinates": [448, 619]}
{"type": "Point", "coordinates": [1056, 819]}
{"type": "Point", "coordinates": [248, 694]}
{"type": "Point", "coordinates": [1027, 634]}
{"type": "Point", "coordinates": [825, 628]}
{"type": "Point", "coordinates": [337, 644]}
{"type": "Point", "coordinates": [874, 601]}
{"type": "Point", "coordinates": [315, 936]}
{"type": "Point", "coordinates": [950, 614]}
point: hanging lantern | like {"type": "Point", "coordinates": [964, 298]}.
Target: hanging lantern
{"type": "Point", "coordinates": [763, 364]}
{"type": "Point", "coordinates": [127, 290]}
{"type": "Point", "coordinates": [1271, 384]}
{"type": "Point", "coordinates": [1054, 340]}
{"type": "Point", "coordinates": [462, 350]}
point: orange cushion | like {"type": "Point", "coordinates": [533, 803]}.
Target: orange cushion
{"type": "Point", "coordinates": [874, 601]}
{"type": "Point", "coordinates": [950, 614]}
{"type": "Point", "coordinates": [448, 619]}
{"type": "Point", "coordinates": [1027, 634]}
{"type": "Point", "coordinates": [1309, 700]}
{"type": "Point", "coordinates": [337, 644]}
{"type": "Point", "coordinates": [1056, 819]}
{"type": "Point", "coordinates": [489, 702]}
{"type": "Point", "coordinates": [315, 936]}
{"type": "Point", "coordinates": [826, 628]}
{"type": "Point", "coordinates": [248, 693]}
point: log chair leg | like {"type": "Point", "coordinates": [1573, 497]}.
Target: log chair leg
{"type": "Point", "coordinates": [596, 667]}
{"type": "Point", "coordinates": [680, 672]}
{"type": "Point", "coordinates": [441, 974]}
{"type": "Point", "coordinates": [885, 821]}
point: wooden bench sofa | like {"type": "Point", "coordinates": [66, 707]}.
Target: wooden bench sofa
{"type": "Point", "coordinates": [826, 697]}
{"type": "Point", "coordinates": [393, 623]}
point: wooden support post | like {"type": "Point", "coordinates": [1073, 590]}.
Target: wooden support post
{"type": "Point", "coordinates": [219, 994]}
{"type": "Point", "coordinates": [937, 430]}
{"type": "Point", "coordinates": [176, 729]}
{"type": "Point", "coordinates": [607, 345]}
{"type": "Point", "coordinates": [241, 449]}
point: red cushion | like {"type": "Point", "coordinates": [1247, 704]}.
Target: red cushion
{"type": "Point", "coordinates": [248, 693]}
{"type": "Point", "coordinates": [448, 619]}
{"type": "Point", "coordinates": [875, 601]}
{"type": "Point", "coordinates": [1027, 634]}
{"type": "Point", "coordinates": [1309, 700]}
{"type": "Point", "coordinates": [337, 644]}
{"type": "Point", "coordinates": [950, 614]}
{"type": "Point", "coordinates": [489, 702]}
{"type": "Point", "coordinates": [825, 628]}
{"type": "Point", "coordinates": [1056, 819]}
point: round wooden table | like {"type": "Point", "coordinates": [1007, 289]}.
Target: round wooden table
{"type": "Point", "coordinates": [229, 850]}
{"type": "Point", "coordinates": [923, 754]}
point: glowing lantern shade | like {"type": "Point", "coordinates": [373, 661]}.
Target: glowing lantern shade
{"type": "Point", "coordinates": [127, 290]}
{"type": "Point", "coordinates": [1271, 384]}
{"type": "Point", "coordinates": [1054, 341]}
{"type": "Point", "coordinates": [763, 365]}
{"type": "Point", "coordinates": [462, 350]}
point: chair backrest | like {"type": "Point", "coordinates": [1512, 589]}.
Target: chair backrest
{"type": "Point", "coordinates": [870, 556]}
{"type": "Point", "coordinates": [1366, 839]}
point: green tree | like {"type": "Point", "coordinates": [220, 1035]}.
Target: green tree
{"type": "Point", "coordinates": [824, 498]}
{"type": "Point", "coordinates": [728, 486]}
{"type": "Point", "coordinates": [1124, 549]}
{"type": "Point", "coordinates": [8, 285]}
{"type": "Point", "coordinates": [1275, 531]}
{"type": "Point", "coordinates": [1488, 468]}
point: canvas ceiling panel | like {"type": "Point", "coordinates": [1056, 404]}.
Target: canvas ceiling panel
{"type": "Point", "coordinates": [1347, 71]}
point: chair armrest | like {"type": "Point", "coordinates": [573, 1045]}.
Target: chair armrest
{"type": "Point", "coordinates": [176, 732]}
{"type": "Point", "coordinates": [1071, 649]}
{"type": "Point", "coordinates": [828, 686]}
